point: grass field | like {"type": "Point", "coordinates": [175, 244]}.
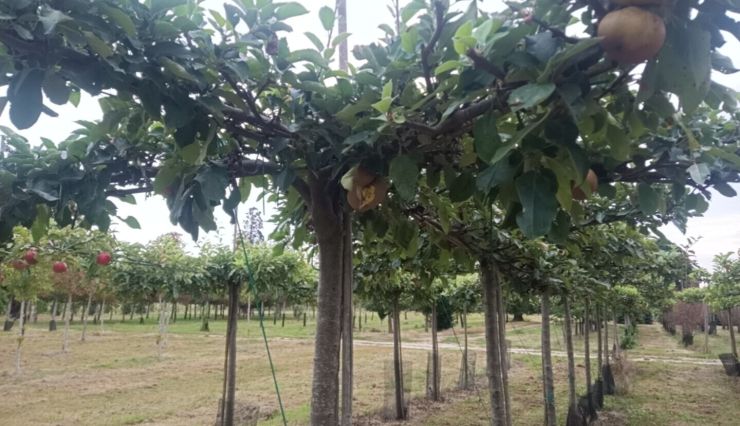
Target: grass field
{"type": "Point", "coordinates": [116, 378]}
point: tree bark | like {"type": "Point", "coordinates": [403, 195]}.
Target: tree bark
{"type": "Point", "coordinates": [229, 387]}
{"type": "Point", "coordinates": [504, 353]}
{"type": "Point", "coordinates": [491, 285]}
{"type": "Point", "coordinates": [547, 379]}
{"type": "Point", "coordinates": [21, 332]}
{"type": "Point", "coordinates": [325, 387]}
{"type": "Point", "coordinates": [600, 351]}
{"type": "Point", "coordinates": [466, 365]}
{"type": "Point", "coordinates": [67, 314]}
{"type": "Point", "coordinates": [435, 355]}
{"type": "Point", "coordinates": [587, 354]}
{"type": "Point", "coordinates": [569, 350]}
{"type": "Point", "coordinates": [733, 343]}
{"type": "Point", "coordinates": [398, 363]}
{"type": "Point", "coordinates": [101, 315]}
{"type": "Point", "coordinates": [163, 316]}
{"type": "Point", "coordinates": [84, 317]}
{"type": "Point", "coordinates": [9, 316]}
{"type": "Point", "coordinates": [53, 320]}
{"type": "Point", "coordinates": [347, 305]}
{"type": "Point", "coordinates": [204, 316]}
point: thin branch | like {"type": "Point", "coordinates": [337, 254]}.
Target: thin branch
{"type": "Point", "coordinates": [556, 31]}
{"type": "Point", "coordinates": [457, 119]}
{"type": "Point", "coordinates": [428, 49]}
{"type": "Point", "coordinates": [482, 63]}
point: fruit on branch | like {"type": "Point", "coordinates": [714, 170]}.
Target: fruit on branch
{"type": "Point", "coordinates": [103, 258]}
{"type": "Point", "coordinates": [19, 264]}
{"type": "Point", "coordinates": [59, 267]}
{"type": "Point", "coordinates": [631, 35]}
{"type": "Point", "coordinates": [365, 189]}
{"type": "Point", "coordinates": [593, 183]}
{"type": "Point", "coordinates": [31, 257]}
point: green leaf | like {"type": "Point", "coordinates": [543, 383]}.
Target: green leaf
{"type": "Point", "coordinates": [536, 192]}
{"type": "Point", "coordinates": [410, 10]}
{"type": "Point", "coordinates": [315, 40]}
{"type": "Point", "coordinates": [530, 95]}
{"type": "Point", "coordinates": [462, 188]}
{"type": "Point", "coordinates": [97, 45]}
{"type": "Point", "coordinates": [619, 143]}
{"type": "Point", "coordinates": [388, 89]}
{"type": "Point", "coordinates": [289, 10]}
{"type": "Point", "coordinates": [176, 69]}
{"type": "Point", "coordinates": [166, 30]}
{"type": "Point", "coordinates": [41, 222]}
{"type": "Point", "coordinates": [162, 5]}
{"type": "Point", "coordinates": [486, 137]}
{"type": "Point", "coordinates": [128, 198]}
{"type": "Point", "coordinates": [193, 153]}
{"type": "Point", "coordinates": [56, 89]}
{"type": "Point", "coordinates": [699, 172]}
{"type": "Point", "coordinates": [404, 173]}
{"type": "Point", "coordinates": [26, 100]}
{"type": "Point", "coordinates": [326, 15]}
{"type": "Point", "coordinates": [308, 55]}
{"type": "Point", "coordinates": [49, 18]}
{"type": "Point", "coordinates": [165, 177]}
{"type": "Point", "coordinates": [120, 18]}
{"type": "Point", "coordinates": [131, 222]}
{"type": "Point", "coordinates": [648, 199]}
{"type": "Point", "coordinates": [409, 39]}
{"type": "Point", "coordinates": [339, 39]}
{"type": "Point", "coordinates": [725, 189]}
{"type": "Point", "coordinates": [561, 59]}
{"type": "Point", "coordinates": [245, 187]}
{"type": "Point", "coordinates": [383, 105]}
{"type": "Point", "coordinates": [447, 66]}
{"type": "Point", "coordinates": [463, 39]}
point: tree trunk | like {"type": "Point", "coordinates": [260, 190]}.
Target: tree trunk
{"type": "Point", "coordinates": [504, 353]}
{"type": "Point", "coordinates": [733, 343]}
{"type": "Point", "coordinates": [466, 365]}
{"type": "Point", "coordinates": [8, 316]}
{"type": "Point", "coordinates": [706, 328]}
{"type": "Point", "coordinates": [347, 303]}
{"type": "Point", "coordinates": [163, 316]}
{"type": "Point", "coordinates": [21, 333]}
{"type": "Point", "coordinates": [204, 318]}
{"type": "Point", "coordinates": [547, 379]}
{"type": "Point", "coordinates": [249, 307]}
{"type": "Point", "coordinates": [229, 388]}
{"type": "Point", "coordinates": [398, 364]}
{"type": "Point", "coordinates": [491, 286]}
{"type": "Point", "coordinates": [600, 351]}
{"type": "Point", "coordinates": [34, 312]}
{"type": "Point", "coordinates": [84, 317]}
{"type": "Point", "coordinates": [616, 335]}
{"type": "Point", "coordinates": [325, 387]}
{"type": "Point", "coordinates": [605, 322]}
{"type": "Point", "coordinates": [567, 320]}
{"type": "Point", "coordinates": [53, 320]}
{"type": "Point", "coordinates": [67, 315]}
{"type": "Point", "coordinates": [587, 356]}
{"type": "Point", "coordinates": [435, 355]}
{"type": "Point", "coordinates": [101, 314]}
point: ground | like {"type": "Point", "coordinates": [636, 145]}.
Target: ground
{"type": "Point", "coordinates": [116, 378]}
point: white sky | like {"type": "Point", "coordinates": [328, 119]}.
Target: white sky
{"type": "Point", "coordinates": [719, 228]}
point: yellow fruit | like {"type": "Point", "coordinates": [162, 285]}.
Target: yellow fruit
{"type": "Point", "coordinates": [362, 199]}
{"type": "Point", "coordinates": [631, 35]}
{"type": "Point", "coordinates": [593, 183]}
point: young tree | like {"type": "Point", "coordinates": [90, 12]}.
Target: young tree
{"type": "Point", "coordinates": [724, 291]}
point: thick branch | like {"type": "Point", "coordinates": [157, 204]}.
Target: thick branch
{"type": "Point", "coordinates": [482, 63]}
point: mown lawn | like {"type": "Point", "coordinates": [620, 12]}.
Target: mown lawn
{"type": "Point", "coordinates": [116, 378]}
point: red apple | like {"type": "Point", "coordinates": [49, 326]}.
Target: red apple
{"type": "Point", "coordinates": [31, 257]}
{"type": "Point", "coordinates": [103, 258]}
{"type": "Point", "coordinates": [59, 267]}
{"type": "Point", "coordinates": [19, 265]}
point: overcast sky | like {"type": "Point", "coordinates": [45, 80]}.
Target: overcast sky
{"type": "Point", "coordinates": [719, 228]}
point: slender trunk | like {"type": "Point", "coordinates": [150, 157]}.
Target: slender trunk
{"type": "Point", "coordinates": [547, 379]}
{"type": "Point", "coordinates": [706, 328]}
{"type": "Point", "coordinates": [426, 323]}
{"type": "Point", "coordinates": [148, 308]}
{"type": "Point", "coordinates": [204, 318]}
{"type": "Point", "coordinates": [606, 335]}
{"type": "Point", "coordinates": [249, 307]}
{"type": "Point", "coordinates": [84, 317]}
{"type": "Point", "coordinates": [398, 364]}
{"type": "Point", "coordinates": [67, 319]}
{"type": "Point", "coordinates": [162, 337]}
{"type": "Point", "coordinates": [600, 351]}
{"type": "Point", "coordinates": [733, 344]}
{"type": "Point", "coordinates": [101, 314]}
{"type": "Point", "coordinates": [587, 355]}
{"type": "Point", "coordinates": [53, 320]}
{"type": "Point", "coordinates": [21, 332]}
{"type": "Point", "coordinates": [435, 355]}
{"type": "Point", "coordinates": [229, 388]}
{"type": "Point", "coordinates": [505, 362]}
{"type": "Point", "coordinates": [325, 387]}
{"type": "Point", "coordinates": [466, 364]}
{"type": "Point", "coordinates": [569, 350]}
{"type": "Point", "coordinates": [491, 285]}
{"type": "Point", "coordinates": [347, 305]}
{"type": "Point", "coordinates": [34, 313]}
{"type": "Point", "coordinates": [616, 335]}
{"type": "Point", "coordinates": [8, 316]}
